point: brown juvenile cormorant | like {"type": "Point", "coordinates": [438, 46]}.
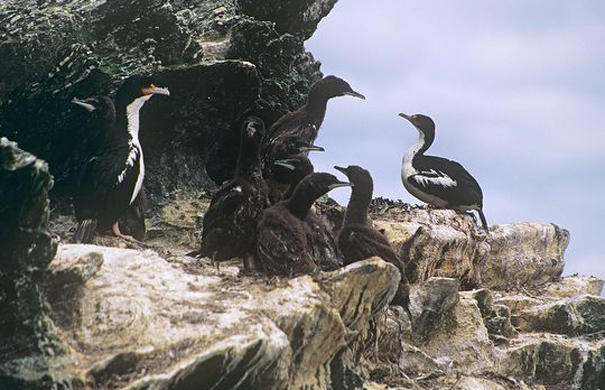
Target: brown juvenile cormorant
{"type": "Point", "coordinates": [305, 122]}
{"type": "Point", "coordinates": [282, 231]}
{"type": "Point", "coordinates": [113, 177]}
{"type": "Point", "coordinates": [438, 181]}
{"type": "Point", "coordinates": [230, 223]}
{"type": "Point", "coordinates": [357, 240]}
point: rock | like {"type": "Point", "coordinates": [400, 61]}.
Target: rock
{"type": "Point", "coordinates": [573, 316]}
{"type": "Point", "coordinates": [444, 243]}
{"type": "Point", "coordinates": [138, 321]}
{"type": "Point", "coordinates": [221, 59]}
{"type": "Point", "coordinates": [496, 317]}
{"type": "Point", "coordinates": [548, 359]}
{"type": "Point", "coordinates": [524, 255]}
{"type": "Point", "coordinates": [26, 248]}
{"type": "Point", "coordinates": [431, 302]}
{"type": "Point", "coordinates": [572, 286]}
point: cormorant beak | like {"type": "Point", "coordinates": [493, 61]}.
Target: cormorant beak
{"type": "Point", "coordinates": [287, 163]}
{"type": "Point", "coordinates": [89, 107]}
{"type": "Point", "coordinates": [354, 94]}
{"type": "Point", "coordinates": [341, 169]}
{"type": "Point", "coordinates": [311, 148]}
{"type": "Point", "coordinates": [409, 118]}
{"type": "Point", "coordinates": [153, 90]}
{"type": "Point", "coordinates": [250, 129]}
{"type": "Point", "coordinates": [340, 184]}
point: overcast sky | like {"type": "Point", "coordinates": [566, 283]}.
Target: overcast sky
{"type": "Point", "coordinates": [516, 89]}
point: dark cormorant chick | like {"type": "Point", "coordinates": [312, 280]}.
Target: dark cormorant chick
{"type": "Point", "coordinates": [320, 238]}
{"type": "Point", "coordinates": [357, 240]}
{"type": "Point", "coordinates": [282, 231]}
{"type": "Point", "coordinates": [305, 122]}
{"type": "Point", "coordinates": [438, 181]}
{"type": "Point", "coordinates": [113, 177]}
{"type": "Point", "coordinates": [103, 115]}
{"type": "Point", "coordinates": [286, 174]}
{"type": "Point", "coordinates": [230, 223]}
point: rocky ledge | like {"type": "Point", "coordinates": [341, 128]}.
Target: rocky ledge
{"type": "Point", "coordinates": [490, 312]}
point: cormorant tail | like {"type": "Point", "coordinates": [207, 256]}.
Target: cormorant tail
{"type": "Point", "coordinates": [483, 221]}
{"type": "Point", "coordinates": [85, 231]}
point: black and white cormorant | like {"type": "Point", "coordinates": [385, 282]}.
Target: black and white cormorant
{"type": "Point", "coordinates": [229, 225]}
{"type": "Point", "coordinates": [357, 240]}
{"type": "Point", "coordinates": [282, 232]}
{"type": "Point", "coordinates": [102, 114]}
{"type": "Point", "coordinates": [112, 179]}
{"type": "Point", "coordinates": [305, 122]}
{"type": "Point", "coordinates": [435, 180]}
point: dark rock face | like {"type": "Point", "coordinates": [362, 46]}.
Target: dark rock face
{"type": "Point", "coordinates": [26, 248]}
{"type": "Point", "coordinates": [202, 50]}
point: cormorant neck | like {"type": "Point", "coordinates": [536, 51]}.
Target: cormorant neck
{"type": "Point", "coordinates": [357, 209]}
{"type": "Point", "coordinates": [422, 144]}
{"type": "Point", "coordinates": [316, 107]}
{"type": "Point", "coordinates": [128, 116]}
{"type": "Point", "coordinates": [300, 202]}
{"type": "Point", "coordinates": [248, 162]}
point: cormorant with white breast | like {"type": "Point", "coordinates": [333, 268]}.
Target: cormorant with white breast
{"type": "Point", "coordinates": [282, 231]}
{"type": "Point", "coordinates": [305, 122]}
{"type": "Point", "coordinates": [102, 114]}
{"type": "Point", "coordinates": [357, 240]}
{"type": "Point", "coordinates": [438, 181]}
{"type": "Point", "coordinates": [229, 225]}
{"type": "Point", "coordinates": [113, 177]}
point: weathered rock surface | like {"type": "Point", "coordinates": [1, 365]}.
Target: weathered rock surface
{"type": "Point", "coordinates": [26, 248]}
{"type": "Point", "coordinates": [444, 244]}
{"type": "Point", "coordinates": [132, 320]}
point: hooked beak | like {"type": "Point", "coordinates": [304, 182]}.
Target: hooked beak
{"type": "Point", "coordinates": [286, 163]}
{"type": "Point", "coordinates": [406, 116]}
{"type": "Point", "coordinates": [250, 129]}
{"type": "Point", "coordinates": [153, 90]}
{"type": "Point", "coordinates": [89, 107]}
{"type": "Point", "coordinates": [355, 94]}
{"type": "Point", "coordinates": [341, 169]}
{"type": "Point", "coordinates": [340, 184]}
{"type": "Point", "coordinates": [311, 148]}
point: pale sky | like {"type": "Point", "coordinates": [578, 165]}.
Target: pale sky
{"type": "Point", "coordinates": [516, 89]}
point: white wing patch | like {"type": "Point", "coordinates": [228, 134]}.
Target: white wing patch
{"type": "Point", "coordinates": [433, 177]}
{"type": "Point", "coordinates": [238, 189]}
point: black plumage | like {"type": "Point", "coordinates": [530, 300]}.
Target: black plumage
{"type": "Point", "coordinates": [282, 232]}
{"type": "Point", "coordinates": [357, 240]}
{"type": "Point", "coordinates": [113, 177]}
{"type": "Point", "coordinates": [438, 181]}
{"type": "Point", "coordinates": [305, 122]}
{"type": "Point", "coordinates": [321, 243]}
{"type": "Point", "coordinates": [230, 223]}
{"type": "Point", "coordinates": [102, 114]}
{"type": "Point", "coordinates": [285, 175]}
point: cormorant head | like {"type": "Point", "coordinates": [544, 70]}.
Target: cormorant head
{"type": "Point", "coordinates": [253, 128]}
{"type": "Point", "coordinates": [421, 122]}
{"type": "Point", "coordinates": [318, 184]}
{"type": "Point", "coordinates": [138, 88]}
{"type": "Point", "coordinates": [99, 106]}
{"type": "Point", "coordinates": [332, 86]}
{"type": "Point", "coordinates": [292, 170]}
{"type": "Point", "coordinates": [357, 175]}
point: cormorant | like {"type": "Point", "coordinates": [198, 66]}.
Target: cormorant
{"type": "Point", "coordinates": [438, 181]}
{"type": "Point", "coordinates": [282, 231]}
{"type": "Point", "coordinates": [229, 225]}
{"type": "Point", "coordinates": [113, 178]}
{"type": "Point", "coordinates": [357, 240]}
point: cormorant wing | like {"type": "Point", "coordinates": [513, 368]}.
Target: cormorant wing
{"type": "Point", "coordinates": [364, 242]}
{"type": "Point", "coordinates": [446, 179]}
